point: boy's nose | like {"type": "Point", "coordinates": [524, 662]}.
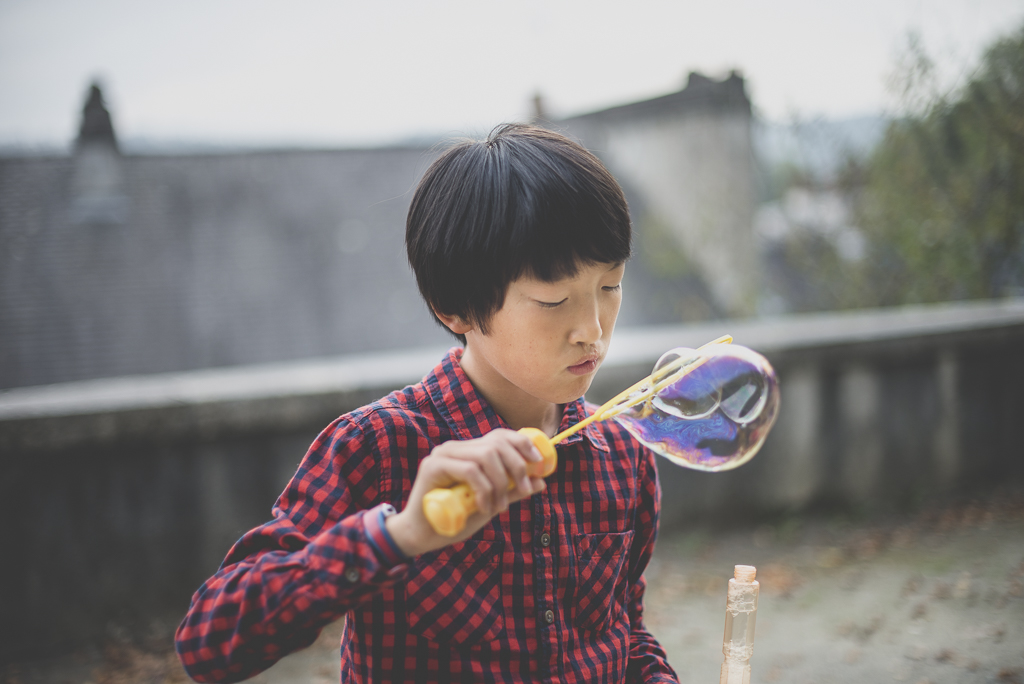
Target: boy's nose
{"type": "Point", "coordinates": [587, 328]}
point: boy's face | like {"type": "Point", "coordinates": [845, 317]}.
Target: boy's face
{"type": "Point", "coordinates": [549, 338]}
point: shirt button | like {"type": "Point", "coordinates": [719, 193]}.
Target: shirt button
{"type": "Point", "coordinates": [545, 540]}
{"type": "Point", "coordinates": [549, 616]}
{"type": "Point", "coordinates": [352, 575]}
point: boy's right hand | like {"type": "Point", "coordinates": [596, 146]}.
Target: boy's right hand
{"type": "Point", "coordinates": [487, 465]}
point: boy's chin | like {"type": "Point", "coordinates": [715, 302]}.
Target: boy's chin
{"type": "Point", "coordinates": [577, 392]}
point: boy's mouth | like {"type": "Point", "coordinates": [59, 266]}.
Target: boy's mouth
{"type": "Point", "coordinates": [588, 365]}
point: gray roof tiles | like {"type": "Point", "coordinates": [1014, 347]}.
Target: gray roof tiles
{"type": "Point", "coordinates": [222, 260]}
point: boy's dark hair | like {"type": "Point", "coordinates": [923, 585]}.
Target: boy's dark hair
{"type": "Point", "coordinates": [525, 201]}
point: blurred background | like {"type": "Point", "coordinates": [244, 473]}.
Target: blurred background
{"type": "Point", "coordinates": [202, 213]}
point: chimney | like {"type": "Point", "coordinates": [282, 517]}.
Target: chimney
{"type": "Point", "coordinates": [98, 194]}
{"type": "Point", "coordinates": [539, 110]}
{"type": "Point", "coordinates": [96, 126]}
{"type": "Point", "coordinates": [698, 80]}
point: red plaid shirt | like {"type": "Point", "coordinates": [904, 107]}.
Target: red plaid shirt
{"type": "Point", "coordinates": [550, 590]}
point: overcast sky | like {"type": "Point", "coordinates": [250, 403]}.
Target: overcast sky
{"type": "Point", "coordinates": [338, 73]}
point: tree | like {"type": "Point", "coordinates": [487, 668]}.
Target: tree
{"type": "Point", "coordinates": [942, 199]}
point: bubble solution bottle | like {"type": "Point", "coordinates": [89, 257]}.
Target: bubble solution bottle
{"type": "Point", "coordinates": [740, 612]}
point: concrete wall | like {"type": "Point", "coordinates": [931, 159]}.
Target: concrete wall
{"type": "Point", "coordinates": [119, 497]}
{"type": "Point", "coordinates": [696, 176]}
{"type": "Point", "coordinates": [880, 409]}
{"type": "Point", "coordinates": [688, 160]}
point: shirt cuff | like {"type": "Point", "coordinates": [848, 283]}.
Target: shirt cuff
{"type": "Point", "coordinates": [381, 540]}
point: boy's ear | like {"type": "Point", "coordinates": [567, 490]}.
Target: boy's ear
{"type": "Point", "coordinates": [454, 323]}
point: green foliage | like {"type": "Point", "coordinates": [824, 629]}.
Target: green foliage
{"type": "Point", "coordinates": [668, 287]}
{"type": "Point", "coordinates": [664, 256]}
{"type": "Point", "coordinates": [942, 202]}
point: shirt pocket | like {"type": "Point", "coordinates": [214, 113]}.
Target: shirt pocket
{"type": "Point", "coordinates": [454, 595]}
{"type": "Point", "coordinates": [601, 579]}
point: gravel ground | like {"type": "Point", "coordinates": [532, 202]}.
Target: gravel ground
{"type": "Point", "coordinates": [938, 598]}
{"type": "Point", "coordinates": [935, 597]}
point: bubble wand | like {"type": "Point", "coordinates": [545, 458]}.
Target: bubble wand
{"type": "Point", "coordinates": [708, 408]}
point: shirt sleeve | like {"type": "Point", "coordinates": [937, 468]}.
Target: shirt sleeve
{"type": "Point", "coordinates": [647, 660]}
{"type": "Point", "coordinates": [282, 582]}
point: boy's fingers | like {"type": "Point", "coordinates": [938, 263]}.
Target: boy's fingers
{"type": "Point", "coordinates": [525, 446]}
{"type": "Point", "coordinates": [494, 468]}
{"type": "Point", "coordinates": [515, 465]}
{"type": "Point", "coordinates": [470, 472]}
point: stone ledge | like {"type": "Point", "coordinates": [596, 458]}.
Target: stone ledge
{"type": "Point", "coordinates": [201, 405]}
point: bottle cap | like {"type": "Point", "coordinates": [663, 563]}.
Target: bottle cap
{"type": "Point", "coordinates": [745, 573]}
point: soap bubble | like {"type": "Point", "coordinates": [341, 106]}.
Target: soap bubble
{"type": "Point", "coordinates": [712, 412]}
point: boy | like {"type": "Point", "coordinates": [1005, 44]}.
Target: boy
{"type": "Point", "coordinates": [518, 244]}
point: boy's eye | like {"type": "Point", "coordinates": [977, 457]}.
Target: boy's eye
{"type": "Point", "coordinates": [550, 305]}
{"type": "Point", "coordinates": [612, 288]}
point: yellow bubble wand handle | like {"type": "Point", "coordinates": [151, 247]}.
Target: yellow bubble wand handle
{"type": "Point", "coordinates": [447, 509]}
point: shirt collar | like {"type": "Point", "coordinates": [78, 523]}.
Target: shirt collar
{"type": "Point", "coordinates": [470, 416]}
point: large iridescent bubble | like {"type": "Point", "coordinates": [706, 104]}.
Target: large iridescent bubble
{"type": "Point", "coordinates": [713, 412]}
